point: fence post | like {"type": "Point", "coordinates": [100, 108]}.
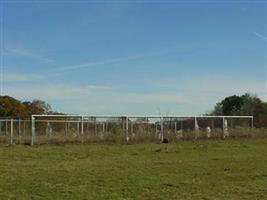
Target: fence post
{"type": "Point", "coordinates": [19, 129]}
{"type": "Point", "coordinates": [95, 126]}
{"type": "Point", "coordinates": [223, 128]}
{"type": "Point", "coordinates": [66, 128]}
{"type": "Point", "coordinates": [156, 129]}
{"type": "Point", "coordinates": [33, 131]}
{"type": "Point", "coordinates": [252, 124]}
{"type": "Point", "coordinates": [147, 127]}
{"type": "Point", "coordinates": [122, 124]}
{"type": "Point", "coordinates": [87, 125]}
{"type": "Point", "coordinates": [78, 127]}
{"type": "Point", "coordinates": [161, 129]}
{"type": "Point", "coordinates": [24, 127]}
{"type": "Point", "coordinates": [196, 128]}
{"type": "Point", "coordinates": [103, 127]}
{"type": "Point", "coordinates": [132, 133]}
{"type": "Point", "coordinates": [6, 126]}
{"type": "Point", "coordinates": [11, 131]}
{"type": "Point", "coordinates": [126, 129]}
{"type": "Point", "coordinates": [82, 129]}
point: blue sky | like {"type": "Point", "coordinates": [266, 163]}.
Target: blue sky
{"type": "Point", "coordinates": [134, 57]}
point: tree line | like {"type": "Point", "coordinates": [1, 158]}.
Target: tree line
{"type": "Point", "coordinates": [11, 107]}
{"type": "Point", "coordinates": [246, 104]}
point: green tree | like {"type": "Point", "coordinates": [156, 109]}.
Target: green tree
{"type": "Point", "coordinates": [246, 104]}
{"type": "Point", "coordinates": [232, 105]}
{"type": "Point", "coordinates": [252, 105]}
{"type": "Point", "coordinates": [218, 110]}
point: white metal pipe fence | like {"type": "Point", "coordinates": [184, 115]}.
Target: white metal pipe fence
{"type": "Point", "coordinates": [132, 128]}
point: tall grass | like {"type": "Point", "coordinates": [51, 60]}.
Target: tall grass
{"type": "Point", "coordinates": [117, 136]}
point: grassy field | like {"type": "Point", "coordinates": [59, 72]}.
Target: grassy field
{"type": "Point", "coordinates": [208, 169]}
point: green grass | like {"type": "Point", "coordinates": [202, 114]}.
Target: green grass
{"type": "Point", "coordinates": [230, 169]}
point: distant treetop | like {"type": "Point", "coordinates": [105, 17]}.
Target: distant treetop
{"type": "Point", "coordinates": [11, 107]}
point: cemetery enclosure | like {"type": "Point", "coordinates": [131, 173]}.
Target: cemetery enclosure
{"type": "Point", "coordinates": [76, 128]}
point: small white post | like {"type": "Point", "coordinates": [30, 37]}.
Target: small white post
{"type": "Point", "coordinates": [87, 125]}
{"type": "Point", "coordinates": [252, 124]}
{"type": "Point", "coordinates": [78, 127]}
{"type": "Point", "coordinates": [95, 126]}
{"type": "Point", "coordinates": [66, 128]}
{"type": "Point", "coordinates": [6, 126]}
{"type": "Point", "coordinates": [131, 127]}
{"type": "Point", "coordinates": [223, 136]}
{"type": "Point", "coordinates": [147, 126]}
{"type": "Point", "coordinates": [225, 128]}
{"type": "Point", "coordinates": [208, 130]}
{"type": "Point", "coordinates": [132, 131]}
{"type": "Point", "coordinates": [24, 127]}
{"type": "Point", "coordinates": [103, 127]}
{"type": "Point", "coordinates": [33, 131]}
{"type": "Point", "coordinates": [161, 129]}
{"type": "Point", "coordinates": [11, 131]}
{"type": "Point", "coordinates": [103, 130]}
{"type": "Point", "coordinates": [156, 130]}
{"type": "Point", "coordinates": [19, 127]}
{"type": "Point", "coordinates": [196, 128]}
{"type": "Point", "coordinates": [49, 129]}
{"type": "Point", "coordinates": [106, 126]}
{"type": "Point", "coordinates": [226, 131]}
{"type": "Point", "coordinates": [126, 129]}
{"type": "Point", "coordinates": [123, 124]}
{"type": "Point", "coordinates": [82, 128]}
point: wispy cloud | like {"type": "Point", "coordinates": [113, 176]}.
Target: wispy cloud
{"type": "Point", "coordinates": [184, 95]}
{"type": "Point", "coordinates": [21, 51]}
{"type": "Point", "coordinates": [18, 77]}
{"type": "Point", "coordinates": [156, 97]}
{"type": "Point", "coordinates": [260, 36]}
{"type": "Point", "coordinates": [55, 91]}
{"type": "Point", "coordinates": [213, 86]}
{"type": "Point", "coordinates": [109, 61]}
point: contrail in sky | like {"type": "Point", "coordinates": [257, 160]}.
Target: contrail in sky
{"type": "Point", "coordinates": [260, 36]}
{"type": "Point", "coordinates": [104, 62]}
